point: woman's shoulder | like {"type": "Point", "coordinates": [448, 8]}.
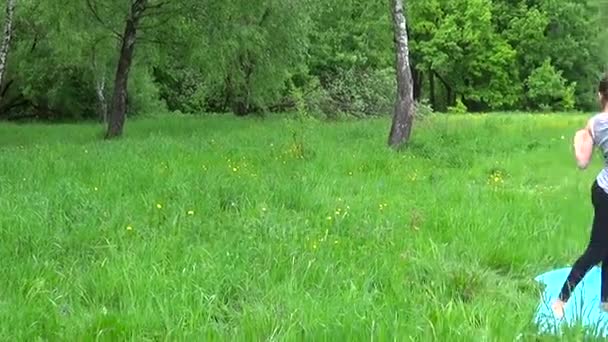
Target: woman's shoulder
{"type": "Point", "coordinates": [598, 124]}
{"type": "Point", "coordinates": [601, 116]}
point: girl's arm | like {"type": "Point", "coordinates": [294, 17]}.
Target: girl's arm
{"type": "Point", "coordinates": [583, 146]}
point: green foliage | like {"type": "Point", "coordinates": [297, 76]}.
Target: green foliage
{"type": "Point", "coordinates": [246, 57]}
{"type": "Point", "coordinates": [361, 92]}
{"type": "Point", "coordinates": [257, 46]}
{"type": "Point", "coordinates": [547, 89]}
{"type": "Point", "coordinates": [485, 51]}
{"type": "Point", "coordinates": [463, 47]}
{"type": "Point", "coordinates": [458, 108]}
{"type": "Point", "coordinates": [311, 98]}
{"type": "Point", "coordinates": [423, 111]}
{"type": "Point", "coordinates": [351, 34]}
{"type": "Point", "coordinates": [145, 95]}
{"type": "Point", "coordinates": [182, 88]}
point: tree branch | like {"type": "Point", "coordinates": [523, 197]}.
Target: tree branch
{"type": "Point", "coordinates": [156, 6]}
{"type": "Point", "coordinates": [95, 13]}
{"type": "Point", "coordinates": [153, 26]}
{"type": "Point", "coordinates": [7, 86]}
{"type": "Point", "coordinates": [138, 8]}
{"type": "Point", "coordinates": [157, 41]}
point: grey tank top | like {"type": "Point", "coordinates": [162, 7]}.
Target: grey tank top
{"type": "Point", "coordinates": [599, 131]}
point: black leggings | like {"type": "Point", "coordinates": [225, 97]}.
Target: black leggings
{"type": "Point", "coordinates": [597, 249]}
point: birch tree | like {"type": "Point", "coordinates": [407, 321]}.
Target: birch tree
{"type": "Point", "coordinates": [404, 103]}
{"type": "Point", "coordinates": [8, 34]}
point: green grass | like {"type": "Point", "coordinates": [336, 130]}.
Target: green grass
{"type": "Point", "coordinates": [326, 236]}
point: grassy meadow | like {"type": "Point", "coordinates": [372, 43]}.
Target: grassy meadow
{"type": "Point", "coordinates": [220, 228]}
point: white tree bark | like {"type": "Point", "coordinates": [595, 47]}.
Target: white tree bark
{"type": "Point", "coordinates": [100, 85]}
{"type": "Point", "coordinates": [8, 34]}
{"type": "Point", "coordinates": [404, 103]}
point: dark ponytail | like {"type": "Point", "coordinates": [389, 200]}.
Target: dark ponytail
{"type": "Point", "coordinates": [603, 90]}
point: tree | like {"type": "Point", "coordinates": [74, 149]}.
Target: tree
{"type": "Point", "coordinates": [118, 112]}
{"type": "Point", "coordinates": [141, 16]}
{"type": "Point", "coordinates": [128, 38]}
{"type": "Point", "coordinates": [335, 58]}
{"type": "Point", "coordinates": [8, 34]}
{"type": "Point", "coordinates": [404, 103]}
{"type": "Point", "coordinates": [257, 46]}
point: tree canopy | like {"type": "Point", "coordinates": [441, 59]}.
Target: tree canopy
{"type": "Point", "coordinates": [248, 57]}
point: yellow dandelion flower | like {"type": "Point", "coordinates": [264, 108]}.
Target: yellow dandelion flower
{"type": "Point", "coordinates": [190, 212]}
{"type": "Point", "coordinates": [159, 206]}
{"type": "Point", "coordinates": [234, 169]}
{"type": "Point", "coordinates": [95, 189]}
{"type": "Point", "coordinates": [129, 228]}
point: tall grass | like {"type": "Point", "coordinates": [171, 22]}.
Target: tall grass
{"type": "Point", "coordinates": [245, 229]}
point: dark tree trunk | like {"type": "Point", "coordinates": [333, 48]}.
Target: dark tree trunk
{"type": "Point", "coordinates": [118, 111]}
{"type": "Point", "coordinates": [241, 102]}
{"type": "Point", "coordinates": [432, 89]}
{"type": "Point", "coordinates": [404, 103]}
{"type": "Point", "coordinates": [451, 100]}
{"type": "Point", "coordinates": [417, 79]}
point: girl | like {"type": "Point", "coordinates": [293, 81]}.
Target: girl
{"type": "Point", "coordinates": [594, 134]}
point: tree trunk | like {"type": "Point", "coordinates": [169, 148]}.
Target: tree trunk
{"type": "Point", "coordinates": [417, 79]}
{"type": "Point", "coordinates": [118, 111]}
{"type": "Point", "coordinates": [100, 86]}
{"type": "Point", "coordinates": [449, 91]}
{"type": "Point", "coordinates": [404, 103]}
{"type": "Point", "coordinates": [8, 34]}
{"type": "Point", "coordinates": [432, 89]}
{"type": "Point", "coordinates": [100, 89]}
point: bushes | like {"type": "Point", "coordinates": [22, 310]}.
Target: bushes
{"type": "Point", "coordinates": [182, 89]}
{"type": "Point", "coordinates": [353, 92]}
{"type": "Point", "coordinates": [144, 94]}
{"type": "Point", "coordinates": [547, 89]}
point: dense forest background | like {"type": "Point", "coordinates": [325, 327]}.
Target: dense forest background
{"type": "Point", "coordinates": [329, 58]}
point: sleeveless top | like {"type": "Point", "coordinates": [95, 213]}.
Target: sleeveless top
{"type": "Point", "coordinates": [599, 133]}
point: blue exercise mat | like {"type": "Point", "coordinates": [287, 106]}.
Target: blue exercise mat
{"type": "Point", "coordinates": [583, 308]}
